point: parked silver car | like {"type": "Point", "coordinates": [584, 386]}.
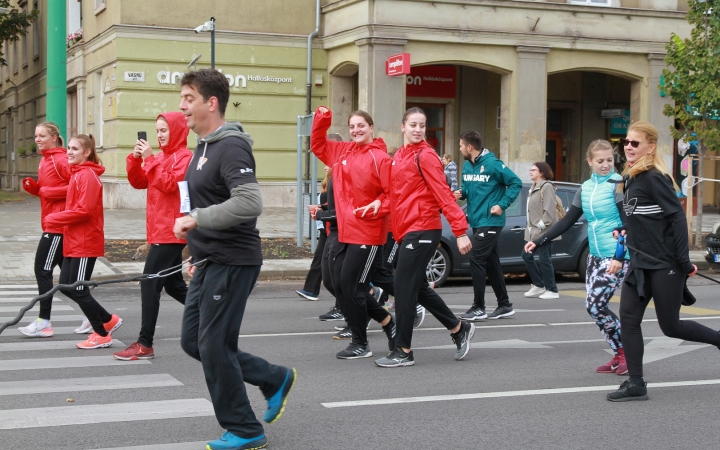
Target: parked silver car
{"type": "Point", "coordinates": [568, 254]}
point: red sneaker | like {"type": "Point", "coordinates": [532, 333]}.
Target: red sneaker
{"type": "Point", "coordinates": [95, 341]}
{"type": "Point", "coordinates": [611, 366]}
{"type": "Point", "coordinates": [622, 366]}
{"type": "Point", "coordinates": [134, 352]}
{"type": "Point", "coordinates": [113, 324]}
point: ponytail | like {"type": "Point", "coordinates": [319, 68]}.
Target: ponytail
{"type": "Point", "coordinates": [87, 141]}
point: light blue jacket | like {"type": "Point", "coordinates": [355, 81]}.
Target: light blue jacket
{"type": "Point", "coordinates": [600, 209]}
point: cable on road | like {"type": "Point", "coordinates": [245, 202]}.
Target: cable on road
{"type": "Point", "coordinates": [92, 284]}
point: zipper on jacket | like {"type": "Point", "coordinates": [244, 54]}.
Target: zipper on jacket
{"type": "Point", "coordinates": [592, 198]}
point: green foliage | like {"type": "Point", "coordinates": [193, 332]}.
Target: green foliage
{"type": "Point", "coordinates": [693, 77]}
{"type": "Point", "coordinates": [13, 24]}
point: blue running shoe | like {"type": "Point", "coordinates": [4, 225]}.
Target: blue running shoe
{"type": "Point", "coordinates": [276, 403]}
{"type": "Point", "coordinates": [229, 441]}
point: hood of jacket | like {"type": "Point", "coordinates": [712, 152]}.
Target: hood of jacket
{"type": "Point", "coordinates": [375, 144]}
{"type": "Point", "coordinates": [227, 130]}
{"type": "Point", "coordinates": [96, 168]}
{"type": "Point", "coordinates": [178, 132]}
{"type": "Point", "coordinates": [52, 151]}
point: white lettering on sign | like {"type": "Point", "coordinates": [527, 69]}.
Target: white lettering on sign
{"type": "Point", "coordinates": [269, 79]}
{"type": "Point", "coordinates": [413, 80]}
{"type": "Point", "coordinates": [475, 177]}
{"type": "Point", "coordinates": [395, 64]}
{"type": "Point", "coordinates": [167, 77]}
{"type": "Point", "coordinates": [138, 77]}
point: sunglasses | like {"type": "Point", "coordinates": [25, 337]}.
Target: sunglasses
{"type": "Point", "coordinates": [633, 144]}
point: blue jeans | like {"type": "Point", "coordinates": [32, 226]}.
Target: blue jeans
{"type": "Point", "coordinates": [541, 272]}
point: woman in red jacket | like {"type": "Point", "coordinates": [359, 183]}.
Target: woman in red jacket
{"type": "Point", "coordinates": [82, 224]}
{"type": "Point", "coordinates": [361, 174]}
{"type": "Point", "coordinates": [51, 187]}
{"type": "Point", "coordinates": [159, 175]}
{"type": "Point", "coordinates": [420, 194]}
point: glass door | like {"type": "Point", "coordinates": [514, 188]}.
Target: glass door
{"type": "Point", "coordinates": [435, 132]}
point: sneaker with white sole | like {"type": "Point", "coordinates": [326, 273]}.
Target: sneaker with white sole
{"type": "Point", "coordinates": [85, 328]}
{"type": "Point", "coordinates": [501, 311]}
{"type": "Point", "coordinates": [343, 334]}
{"type": "Point", "coordinates": [355, 351]}
{"type": "Point", "coordinates": [534, 291]}
{"type": "Point", "coordinates": [95, 341]}
{"type": "Point", "coordinates": [419, 315]}
{"type": "Point", "coordinates": [396, 358]}
{"type": "Point", "coordinates": [549, 295]}
{"type": "Point", "coordinates": [333, 314]}
{"type": "Point", "coordinates": [473, 314]}
{"type": "Point", "coordinates": [307, 295]}
{"type": "Point", "coordinates": [462, 339]}
{"type": "Point", "coordinates": [36, 328]}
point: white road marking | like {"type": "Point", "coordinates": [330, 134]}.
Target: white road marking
{"type": "Point", "coordinates": [664, 347]}
{"type": "Point", "coordinates": [118, 412]}
{"type": "Point", "coordinates": [45, 344]}
{"type": "Point", "coordinates": [523, 393]}
{"type": "Point", "coordinates": [87, 384]}
{"type": "Point", "coordinates": [18, 286]}
{"type": "Point", "coordinates": [22, 300]}
{"type": "Point", "coordinates": [178, 446]}
{"type": "Point", "coordinates": [11, 293]}
{"type": "Point", "coordinates": [65, 363]}
{"type": "Point", "coordinates": [56, 331]}
{"type": "Point", "coordinates": [55, 318]}
{"type": "Point", "coordinates": [16, 309]}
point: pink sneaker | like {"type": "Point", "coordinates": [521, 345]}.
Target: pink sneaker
{"type": "Point", "coordinates": [622, 366]}
{"type": "Point", "coordinates": [134, 352]}
{"type": "Point", "coordinates": [95, 341]}
{"type": "Point", "coordinates": [611, 366]}
{"type": "Point", "coordinates": [113, 324]}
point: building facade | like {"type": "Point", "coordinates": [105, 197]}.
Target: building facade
{"type": "Point", "coordinates": [539, 80]}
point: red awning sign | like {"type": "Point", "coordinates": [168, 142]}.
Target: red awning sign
{"type": "Point", "coordinates": [397, 65]}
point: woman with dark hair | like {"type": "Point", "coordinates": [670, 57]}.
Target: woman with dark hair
{"type": "Point", "coordinates": [361, 173]}
{"type": "Point", "coordinates": [541, 214]}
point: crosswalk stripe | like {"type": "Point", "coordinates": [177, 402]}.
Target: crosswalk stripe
{"type": "Point", "coordinates": [116, 412]}
{"type": "Point", "coordinates": [18, 286]}
{"type": "Point", "coordinates": [65, 363]}
{"type": "Point", "coordinates": [178, 446]}
{"type": "Point", "coordinates": [56, 331]}
{"type": "Point", "coordinates": [23, 300]}
{"type": "Point", "coordinates": [15, 309]}
{"type": "Point", "coordinates": [32, 293]}
{"type": "Point", "coordinates": [45, 344]}
{"type": "Point", "coordinates": [55, 318]}
{"type": "Point", "coordinates": [87, 384]}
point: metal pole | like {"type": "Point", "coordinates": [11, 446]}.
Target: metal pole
{"type": "Point", "coordinates": [313, 195]}
{"type": "Point", "coordinates": [56, 81]}
{"type": "Point", "coordinates": [212, 43]}
{"type": "Point", "coordinates": [299, 181]}
{"type": "Point", "coordinates": [308, 82]}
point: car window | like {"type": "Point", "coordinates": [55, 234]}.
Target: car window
{"type": "Point", "coordinates": [566, 197]}
{"type": "Point", "coordinates": [514, 209]}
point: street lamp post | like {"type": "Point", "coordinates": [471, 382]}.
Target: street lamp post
{"type": "Point", "coordinates": [209, 26]}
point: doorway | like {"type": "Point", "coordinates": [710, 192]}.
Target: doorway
{"type": "Point", "coordinates": [435, 131]}
{"type": "Point", "coordinates": [554, 142]}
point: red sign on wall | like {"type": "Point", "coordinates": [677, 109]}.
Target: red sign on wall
{"type": "Point", "coordinates": [431, 81]}
{"type": "Point", "coordinates": [397, 65]}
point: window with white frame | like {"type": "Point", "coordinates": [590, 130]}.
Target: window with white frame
{"type": "Point", "coordinates": [592, 2]}
{"type": "Point", "coordinates": [99, 6]}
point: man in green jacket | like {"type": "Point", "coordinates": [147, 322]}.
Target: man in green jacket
{"type": "Point", "coordinates": [490, 187]}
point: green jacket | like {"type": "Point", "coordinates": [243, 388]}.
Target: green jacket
{"type": "Point", "coordinates": [487, 182]}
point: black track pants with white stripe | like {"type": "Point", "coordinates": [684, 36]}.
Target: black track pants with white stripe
{"type": "Point", "coordinates": [353, 264]}
{"type": "Point", "coordinates": [77, 269]}
{"type": "Point", "coordinates": [48, 255]}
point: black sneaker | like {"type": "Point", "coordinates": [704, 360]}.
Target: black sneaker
{"type": "Point", "coordinates": [390, 330]}
{"type": "Point", "coordinates": [629, 391]}
{"type": "Point", "coordinates": [419, 315]}
{"type": "Point", "coordinates": [343, 334]}
{"type": "Point", "coordinates": [473, 314]}
{"type": "Point", "coordinates": [500, 312]}
{"type": "Point", "coordinates": [355, 351]}
{"type": "Point", "coordinates": [462, 340]}
{"type": "Point", "coordinates": [333, 314]}
{"type": "Point", "coordinates": [396, 358]}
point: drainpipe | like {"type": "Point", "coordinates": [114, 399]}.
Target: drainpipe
{"type": "Point", "coordinates": [56, 81]}
{"type": "Point", "coordinates": [308, 86]}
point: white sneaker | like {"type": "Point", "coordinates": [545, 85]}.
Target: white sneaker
{"type": "Point", "coordinates": [85, 328]}
{"type": "Point", "coordinates": [34, 329]}
{"type": "Point", "coordinates": [549, 294]}
{"type": "Point", "coordinates": [535, 291]}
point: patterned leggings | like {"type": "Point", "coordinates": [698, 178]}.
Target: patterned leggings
{"type": "Point", "coordinates": [600, 287]}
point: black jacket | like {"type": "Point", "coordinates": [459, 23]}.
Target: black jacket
{"type": "Point", "coordinates": [327, 215]}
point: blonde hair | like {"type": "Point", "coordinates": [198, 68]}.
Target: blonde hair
{"type": "Point", "coordinates": [651, 160]}
{"type": "Point", "coordinates": [54, 131]}
{"type": "Point", "coordinates": [326, 180]}
{"type": "Point", "coordinates": [598, 145]}
{"type": "Point", "coordinates": [87, 142]}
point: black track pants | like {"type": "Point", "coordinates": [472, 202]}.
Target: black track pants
{"type": "Point", "coordinates": [353, 264]}
{"type": "Point", "coordinates": [382, 271]}
{"type": "Point", "coordinates": [314, 276]}
{"type": "Point", "coordinates": [160, 257]}
{"type": "Point", "coordinates": [214, 310]}
{"type": "Point", "coordinates": [413, 255]}
{"type": "Point", "coordinates": [327, 263]}
{"type": "Point", "coordinates": [48, 255]}
{"type": "Point", "coordinates": [666, 286]}
{"type": "Point", "coordinates": [485, 262]}
{"type": "Point", "coordinates": [80, 269]}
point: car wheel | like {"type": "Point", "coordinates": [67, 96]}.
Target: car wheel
{"type": "Point", "coordinates": [439, 268]}
{"type": "Point", "coordinates": [582, 263]}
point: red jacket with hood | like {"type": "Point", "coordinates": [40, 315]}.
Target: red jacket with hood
{"type": "Point", "coordinates": [52, 183]}
{"type": "Point", "coordinates": [82, 221]}
{"type": "Point", "coordinates": [416, 203]}
{"type": "Point", "coordinates": [160, 175]}
{"type": "Point", "coordinates": [361, 174]}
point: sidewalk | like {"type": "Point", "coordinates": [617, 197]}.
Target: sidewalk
{"type": "Point", "coordinates": [20, 232]}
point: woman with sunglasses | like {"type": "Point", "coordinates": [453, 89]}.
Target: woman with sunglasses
{"type": "Point", "coordinates": [598, 200]}
{"type": "Point", "coordinates": [361, 173]}
{"type": "Point", "coordinates": [658, 243]}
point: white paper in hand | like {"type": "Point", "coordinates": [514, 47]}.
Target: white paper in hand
{"type": "Point", "coordinates": [184, 197]}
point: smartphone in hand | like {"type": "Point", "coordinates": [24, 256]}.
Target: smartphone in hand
{"type": "Point", "coordinates": [142, 135]}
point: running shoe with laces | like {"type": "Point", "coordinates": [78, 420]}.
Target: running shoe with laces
{"type": "Point", "coordinates": [333, 314]}
{"type": "Point", "coordinates": [343, 334]}
{"type": "Point", "coordinates": [276, 403]}
{"type": "Point", "coordinates": [134, 352]}
{"type": "Point", "coordinates": [355, 351]}
{"type": "Point", "coordinates": [396, 358]}
{"type": "Point", "coordinates": [500, 312]}
{"type": "Point", "coordinates": [419, 315]}
{"type": "Point", "coordinates": [84, 328]}
{"type": "Point", "coordinates": [95, 341]}
{"type": "Point", "coordinates": [113, 324]}
{"type": "Point", "coordinates": [610, 366]}
{"type": "Point", "coordinates": [462, 339]}
{"type": "Point", "coordinates": [307, 295]}
{"type": "Point", "coordinates": [229, 441]}
{"type": "Point", "coordinates": [37, 329]}
{"type": "Point", "coordinates": [473, 314]}
{"type": "Point", "coordinates": [534, 291]}
{"type": "Point", "coordinates": [629, 391]}
{"type": "Point", "coordinates": [390, 330]}
{"type": "Point", "coordinates": [549, 295]}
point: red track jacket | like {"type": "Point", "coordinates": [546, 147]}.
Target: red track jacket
{"type": "Point", "coordinates": [51, 187]}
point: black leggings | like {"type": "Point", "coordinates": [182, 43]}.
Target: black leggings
{"type": "Point", "coordinates": [666, 287]}
{"type": "Point", "coordinates": [327, 264]}
{"type": "Point", "coordinates": [77, 269]}
{"type": "Point", "coordinates": [48, 255]}
{"type": "Point", "coordinates": [352, 267]}
{"type": "Point", "coordinates": [314, 276]}
{"type": "Point", "coordinates": [160, 257]}
{"type": "Point", "coordinates": [382, 271]}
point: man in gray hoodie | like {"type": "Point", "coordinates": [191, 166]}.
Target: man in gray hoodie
{"type": "Point", "coordinates": [220, 230]}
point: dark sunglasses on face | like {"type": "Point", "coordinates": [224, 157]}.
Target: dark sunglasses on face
{"type": "Point", "coordinates": [633, 144]}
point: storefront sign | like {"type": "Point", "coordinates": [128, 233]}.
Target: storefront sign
{"type": "Point", "coordinates": [167, 77]}
{"type": "Point", "coordinates": [397, 65]}
{"type": "Point", "coordinates": [610, 113]}
{"type": "Point", "coordinates": [432, 81]}
{"type": "Point", "coordinates": [138, 77]}
{"type": "Point", "coordinates": [619, 125]}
